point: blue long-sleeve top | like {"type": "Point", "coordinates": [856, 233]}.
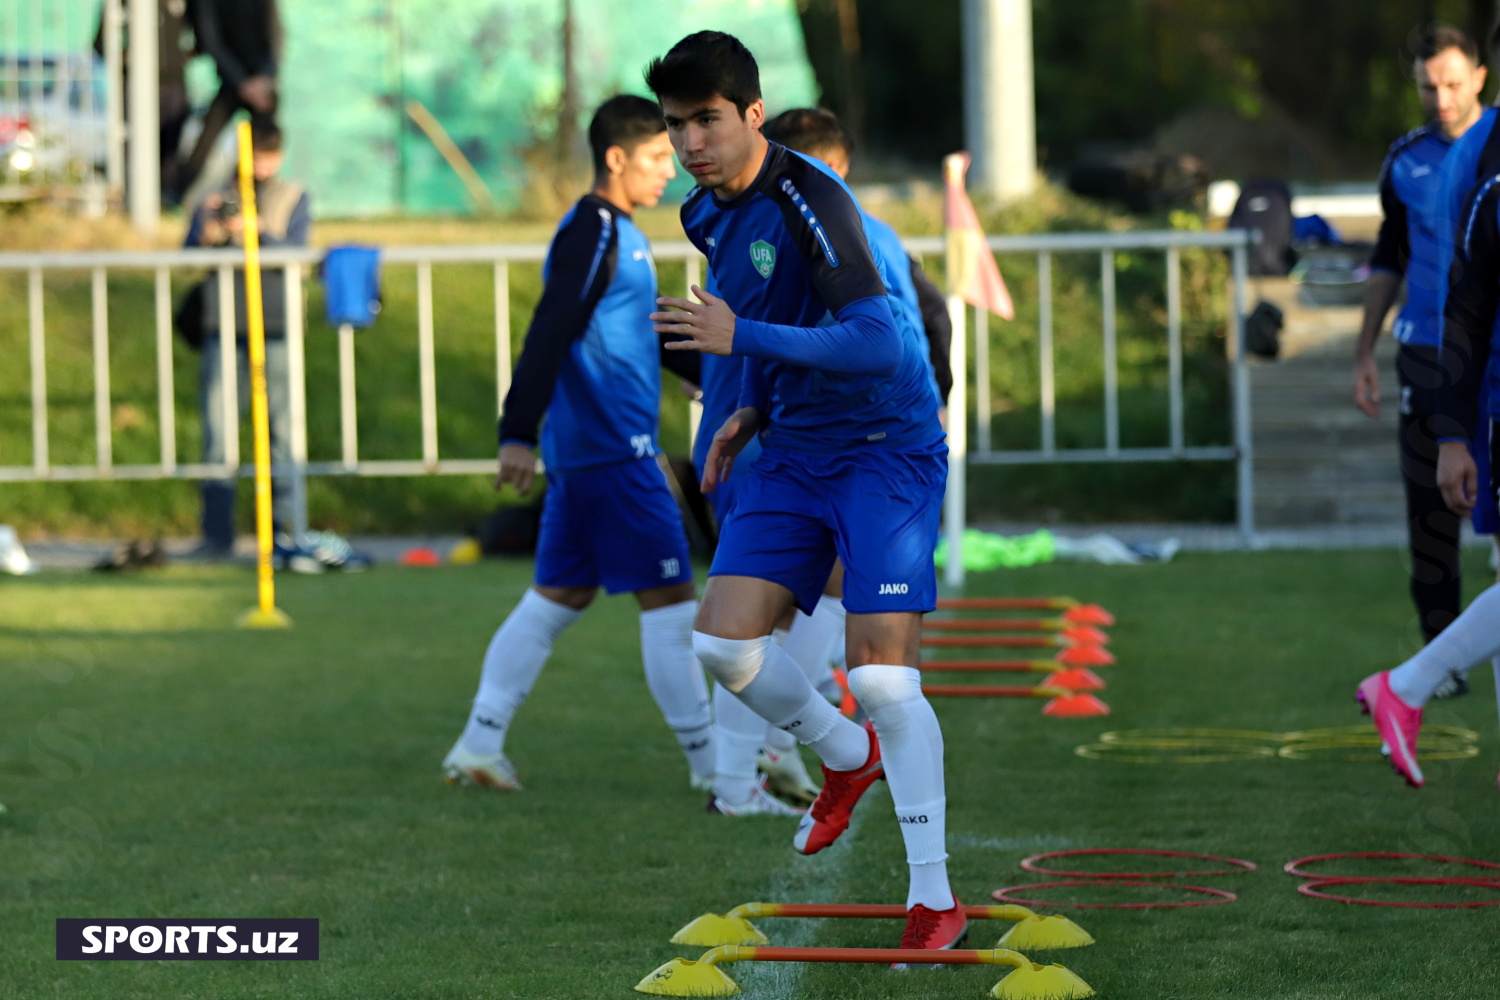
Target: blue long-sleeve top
{"type": "Point", "coordinates": [827, 364]}
{"type": "Point", "coordinates": [591, 362]}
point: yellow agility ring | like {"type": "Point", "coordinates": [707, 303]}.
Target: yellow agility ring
{"type": "Point", "coordinates": [1194, 745]}
{"type": "Point", "coordinates": [1346, 732]}
{"type": "Point", "coordinates": [1135, 736]}
{"type": "Point", "coordinates": [1347, 750]}
{"type": "Point", "coordinates": [1127, 753]}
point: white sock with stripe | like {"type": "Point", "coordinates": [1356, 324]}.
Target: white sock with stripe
{"type": "Point", "coordinates": [512, 663]}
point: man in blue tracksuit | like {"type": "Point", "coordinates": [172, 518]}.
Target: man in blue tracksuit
{"type": "Point", "coordinates": [811, 639]}
{"type": "Point", "coordinates": [852, 467]}
{"type": "Point", "coordinates": [591, 363]}
{"type": "Point", "coordinates": [1414, 245]}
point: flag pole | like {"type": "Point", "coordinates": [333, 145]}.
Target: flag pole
{"type": "Point", "coordinates": [265, 614]}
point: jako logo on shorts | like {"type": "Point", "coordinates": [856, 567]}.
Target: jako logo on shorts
{"type": "Point", "coordinates": [893, 588]}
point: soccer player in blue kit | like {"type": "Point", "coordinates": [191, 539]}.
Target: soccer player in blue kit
{"type": "Point", "coordinates": [811, 640]}
{"type": "Point", "coordinates": [852, 467]}
{"type": "Point", "coordinates": [1418, 189]}
{"type": "Point", "coordinates": [591, 362]}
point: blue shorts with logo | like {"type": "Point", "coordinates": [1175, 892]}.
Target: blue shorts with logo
{"type": "Point", "coordinates": [877, 511]}
{"type": "Point", "coordinates": [613, 526]}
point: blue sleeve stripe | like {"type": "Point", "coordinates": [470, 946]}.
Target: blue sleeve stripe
{"type": "Point", "coordinates": [1474, 212]}
{"type": "Point", "coordinates": [812, 221]}
{"type": "Point", "coordinates": [606, 228]}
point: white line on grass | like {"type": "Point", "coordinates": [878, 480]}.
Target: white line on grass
{"type": "Point", "coordinates": [818, 879]}
{"type": "Point", "coordinates": [1043, 842]}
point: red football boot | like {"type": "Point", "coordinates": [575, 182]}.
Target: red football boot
{"type": "Point", "coordinates": [829, 816]}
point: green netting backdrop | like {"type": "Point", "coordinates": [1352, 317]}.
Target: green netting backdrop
{"type": "Point", "coordinates": [491, 71]}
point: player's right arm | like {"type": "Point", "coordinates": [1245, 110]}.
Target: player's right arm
{"type": "Point", "coordinates": [1468, 319]}
{"type": "Point", "coordinates": [824, 221]}
{"type": "Point", "coordinates": [580, 266]}
{"type": "Point", "coordinates": [1387, 265]}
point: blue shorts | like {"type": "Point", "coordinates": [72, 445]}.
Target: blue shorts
{"type": "Point", "coordinates": [876, 511]}
{"type": "Point", "coordinates": [615, 526]}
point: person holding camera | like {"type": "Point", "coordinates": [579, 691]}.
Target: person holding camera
{"type": "Point", "coordinates": [282, 209]}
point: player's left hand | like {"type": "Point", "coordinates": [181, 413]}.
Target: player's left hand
{"type": "Point", "coordinates": [708, 324]}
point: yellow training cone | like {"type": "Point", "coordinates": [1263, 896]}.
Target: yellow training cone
{"type": "Point", "coordinates": [1041, 982]}
{"type": "Point", "coordinates": [683, 978]}
{"type": "Point", "coordinates": [1039, 933]}
{"type": "Point", "coordinates": [712, 930]}
{"type": "Point", "coordinates": [272, 617]}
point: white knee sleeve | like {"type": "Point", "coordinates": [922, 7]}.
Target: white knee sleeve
{"type": "Point", "coordinates": [734, 663]}
{"type": "Point", "coordinates": [880, 685]}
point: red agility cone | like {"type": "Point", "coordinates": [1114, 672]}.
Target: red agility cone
{"type": "Point", "coordinates": [1086, 656]}
{"type": "Point", "coordinates": [1075, 706]}
{"type": "Point", "coordinates": [1075, 679]}
{"type": "Point", "coordinates": [1088, 614]}
{"type": "Point", "coordinates": [1085, 635]}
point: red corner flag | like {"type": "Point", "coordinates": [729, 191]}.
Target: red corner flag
{"type": "Point", "coordinates": [972, 273]}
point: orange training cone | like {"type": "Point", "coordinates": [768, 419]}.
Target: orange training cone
{"type": "Point", "coordinates": [1075, 706]}
{"type": "Point", "coordinates": [1075, 679]}
{"type": "Point", "coordinates": [1088, 614]}
{"type": "Point", "coordinates": [847, 705]}
{"type": "Point", "coordinates": [1085, 635]}
{"type": "Point", "coordinates": [1086, 656]}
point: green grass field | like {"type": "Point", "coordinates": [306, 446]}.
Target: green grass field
{"type": "Point", "coordinates": [157, 763]}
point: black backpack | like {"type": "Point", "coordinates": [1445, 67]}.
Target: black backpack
{"type": "Point", "coordinates": [1263, 330]}
{"type": "Point", "coordinates": [511, 530]}
{"type": "Point", "coordinates": [1266, 207]}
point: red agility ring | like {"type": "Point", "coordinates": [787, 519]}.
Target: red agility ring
{"type": "Point", "coordinates": [1311, 889]}
{"type": "Point", "coordinates": [1295, 867]}
{"type": "Point", "coordinates": [1237, 866]}
{"type": "Point", "coordinates": [1220, 896]}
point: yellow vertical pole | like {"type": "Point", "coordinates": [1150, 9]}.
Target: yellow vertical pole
{"type": "Point", "coordinates": [265, 614]}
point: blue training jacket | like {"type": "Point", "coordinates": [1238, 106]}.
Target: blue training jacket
{"type": "Point", "coordinates": [592, 361]}
{"type": "Point", "coordinates": [827, 363]}
{"type": "Point", "coordinates": [722, 375]}
{"type": "Point", "coordinates": [1413, 239]}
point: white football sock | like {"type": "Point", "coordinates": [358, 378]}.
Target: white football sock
{"type": "Point", "coordinates": [1472, 637]}
{"type": "Point", "coordinates": [814, 636]}
{"type": "Point", "coordinates": [512, 663]}
{"type": "Point", "coordinates": [738, 735]}
{"type": "Point", "coordinates": [762, 676]}
{"type": "Point", "coordinates": [779, 740]}
{"type": "Point", "coordinates": [1495, 666]}
{"type": "Point", "coordinates": [911, 746]}
{"type": "Point", "coordinates": [676, 681]}
{"type": "Point", "coordinates": [929, 883]}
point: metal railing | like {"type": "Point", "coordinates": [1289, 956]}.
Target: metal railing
{"type": "Point", "coordinates": [1106, 245]}
{"type": "Point", "coordinates": [295, 263]}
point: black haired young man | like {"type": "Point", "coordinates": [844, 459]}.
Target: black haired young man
{"type": "Point", "coordinates": [591, 363]}
{"type": "Point", "coordinates": [852, 467]}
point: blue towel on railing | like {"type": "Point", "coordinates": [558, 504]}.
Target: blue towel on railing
{"type": "Point", "coordinates": [1314, 229]}
{"type": "Point", "coordinates": [351, 283]}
